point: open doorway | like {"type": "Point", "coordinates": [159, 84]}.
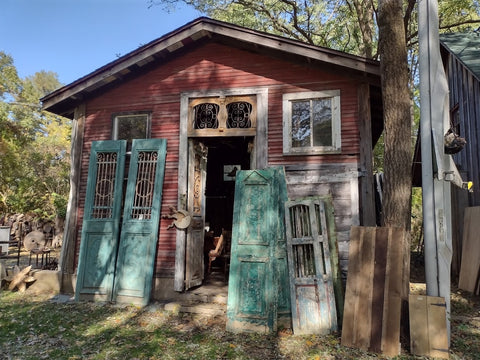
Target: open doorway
{"type": "Point", "coordinates": [226, 156]}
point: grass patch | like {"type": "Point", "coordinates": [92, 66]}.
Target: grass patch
{"type": "Point", "coordinates": [36, 328]}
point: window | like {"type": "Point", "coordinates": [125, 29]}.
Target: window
{"type": "Point", "coordinates": [222, 115]}
{"type": "Point", "coordinates": [311, 122]}
{"type": "Point", "coordinates": [131, 126]}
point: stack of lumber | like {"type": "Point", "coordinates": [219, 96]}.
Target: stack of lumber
{"type": "Point", "coordinates": [470, 267]}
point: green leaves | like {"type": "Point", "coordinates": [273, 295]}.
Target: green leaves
{"type": "Point", "coordinates": [34, 145]}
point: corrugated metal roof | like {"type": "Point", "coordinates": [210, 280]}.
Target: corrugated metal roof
{"type": "Point", "coordinates": [466, 47]}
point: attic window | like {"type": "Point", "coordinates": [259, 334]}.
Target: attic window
{"type": "Point", "coordinates": [222, 116]}
{"type": "Point", "coordinates": [311, 122]}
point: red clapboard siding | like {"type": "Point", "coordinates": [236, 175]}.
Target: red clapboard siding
{"type": "Point", "coordinates": [213, 67]}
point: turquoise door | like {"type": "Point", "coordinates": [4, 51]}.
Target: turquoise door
{"type": "Point", "coordinates": [141, 216]}
{"type": "Point", "coordinates": [311, 281]}
{"type": "Point", "coordinates": [118, 264]}
{"type": "Point", "coordinates": [256, 289]}
{"type": "Point", "coordinates": [101, 221]}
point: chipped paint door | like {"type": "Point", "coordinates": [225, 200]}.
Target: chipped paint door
{"type": "Point", "coordinates": [311, 286]}
{"type": "Point", "coordinates": [141, 217]}
{"type": "Point", "coordinates": [197, 171]}
{"type": "Point", "coordinates": [101, 221]}
{"type": "Point", "coordinates": [252, 290]}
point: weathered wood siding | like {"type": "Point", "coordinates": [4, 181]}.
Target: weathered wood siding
{"type": "Point", "coordinates": [213, 67]}
{"type": "Point", "coordinates": [464, 98]}
{"type": "Point", "coordinates": [465, 94]}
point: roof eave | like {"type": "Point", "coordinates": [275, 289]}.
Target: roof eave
{"type": "Point", "coordinates": [193, 31]}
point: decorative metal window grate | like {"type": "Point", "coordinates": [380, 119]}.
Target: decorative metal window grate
{"type": "Point", "coordinates": [239, 115]}
{"type": "Point", "coordinates": [144, 185]}
{"type": "Point", "coordinates": [104, 185]}
{"type": "Point", "coordinates": [206, 116]}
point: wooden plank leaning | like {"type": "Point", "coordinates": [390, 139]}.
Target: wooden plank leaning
{"type": "Point", "coordinates": [470, 266]}
{"type": "Point", "coordinates": [372, 308]}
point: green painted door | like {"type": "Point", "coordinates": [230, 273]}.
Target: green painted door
{"type": "Point", "coordinates": [141, 216]}
{"type": "Point", "coordinates": [101, 221]}
{"type": "Point", "coordinates": [253, 291]}
{"type": "Point", "coordinates": [311, 282]}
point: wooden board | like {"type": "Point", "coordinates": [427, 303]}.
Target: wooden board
{"type": "Point", "coordinates": [470, 266]}
{"type": "Point", "coordinates": [371, 319]}
{"type": "Point", "coordinates": [428, 326]}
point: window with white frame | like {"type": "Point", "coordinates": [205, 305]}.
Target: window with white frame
{"type": "Point", "coordinates": [311, 122]}
{"type": "Point", "coordinates": [129, 126]}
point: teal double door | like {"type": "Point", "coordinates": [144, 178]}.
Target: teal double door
{"type": "Point", "coordinates": [120, 221]}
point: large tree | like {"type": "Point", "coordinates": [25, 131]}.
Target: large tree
{"type": "Point", "coordinates": [34, 145]}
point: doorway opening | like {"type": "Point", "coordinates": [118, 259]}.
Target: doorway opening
{"type": "Point", "coordinates": [226, 156]}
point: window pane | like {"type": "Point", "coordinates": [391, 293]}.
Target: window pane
{"type": "Point", "coordinates": [322, 122]}
{"type": "Point", "coordinates": [131, 127]}
{"type": "Point", "coordinates": [301, 131]}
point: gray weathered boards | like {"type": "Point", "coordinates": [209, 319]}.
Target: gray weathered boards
{"type": "Point", "coordinates": [101, 273]}
{"type": "Point", "coordinates": [258, 296]}
{"type": "Point", "coordinates": [311, 285]}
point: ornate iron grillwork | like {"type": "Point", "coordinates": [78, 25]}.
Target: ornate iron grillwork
{"type": "Point", "coordinates": [206, 116]}
{"type": "Point", "coordinates": [104, 186]}
{"type": "Point", "coordinates": [144, 185]}
{"type": "Point", "coordinates": [239, 115]}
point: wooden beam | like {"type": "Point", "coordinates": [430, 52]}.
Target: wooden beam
{"type": "Point", "coordinates": [367, 195]}
{"type": "Point", "coordinates": [67, 255]}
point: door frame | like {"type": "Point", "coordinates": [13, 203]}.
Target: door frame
{"type": "Point", "coordinates": [259, 157]}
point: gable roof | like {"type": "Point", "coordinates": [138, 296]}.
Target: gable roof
{"type": "Point", "coordinates": [63, 100]}
{"type": "Point", "coordinates": [466, 47]}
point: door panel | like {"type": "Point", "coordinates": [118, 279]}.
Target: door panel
{"type": "Point", "coordinates": [101, 221]}
{"type": "Point", "coordinates": [311, 287]}
{"type": "Point", "coordinates": [141, 216]}
{"type": "Point", "coordinates": [195, 267]}
{"type": "Point", "coordinates": [252, 300]}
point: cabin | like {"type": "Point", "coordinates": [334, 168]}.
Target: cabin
{"type": "Point", "coordinates": [187, 112]}
{"type": "Point", "coordinates": [460, 56]}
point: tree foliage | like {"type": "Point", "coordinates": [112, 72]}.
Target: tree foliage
{"type": "Point", "coordinates": [346, 25]}
{"type": "Point", "coordinates": [34, 145]}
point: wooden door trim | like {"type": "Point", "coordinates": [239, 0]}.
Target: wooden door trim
{"type": "Point", "coordinates": [260, 158]}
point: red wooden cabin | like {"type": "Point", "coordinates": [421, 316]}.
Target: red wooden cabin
{"type": "Point", "coordinates": [233, 98]}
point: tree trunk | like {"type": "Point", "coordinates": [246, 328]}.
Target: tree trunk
{"type": "Point", "coordinates": [397, 116]}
